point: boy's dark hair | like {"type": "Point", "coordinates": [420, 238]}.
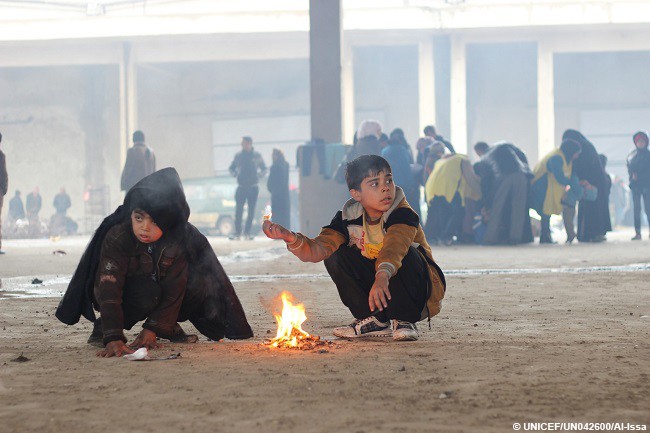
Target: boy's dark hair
{"type": "Point", "coordinates": [429, 129]}
{"type": "Point", "coordinates": [247, 139]}
{"type": "Point", "coordinates": [481, 146]}
{"type": "Point", "coordinates": [138, 137]}
{"type": "Point", "coordinates": [364, 166]}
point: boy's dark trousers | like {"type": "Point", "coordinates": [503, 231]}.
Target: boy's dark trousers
{"type": "Point", "coordinates": [354, 276]}
{"type": "Point", "coordinates": [636, 200]}
{"type": "Point", "coordinates": [242, 195]}
{"type": "Point", "coordinates": [140, 296]}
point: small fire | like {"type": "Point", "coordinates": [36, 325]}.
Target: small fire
{"type": "Point", "coordinates": [290, 333]}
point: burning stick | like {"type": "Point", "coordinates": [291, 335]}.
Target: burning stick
{"type": "Point", "coordinates": [290, 334]}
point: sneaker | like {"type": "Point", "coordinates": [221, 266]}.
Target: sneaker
{"type": "Point", "coordinates": [233, 237]}
{"type": "Point", "coordinates": [637, 237]}
{"type": "Point", "coordinates": [249, 237]}
{"type": "Point", "coordinates": [368, 327]}
{"type": "Point", "coordinates": [404, 331]}
{"type": "Point", "coordinates": [97, 336]}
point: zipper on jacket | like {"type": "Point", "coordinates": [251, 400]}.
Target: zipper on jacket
{"type": "Point", "coordinates": [158, 263]}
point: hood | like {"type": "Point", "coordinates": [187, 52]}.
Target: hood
{"type": "Point", "coordinates": [572, 134]}
{"type": "Point", "coordinates": [642, 133]}
{"type": "Point", "coordinates": [352, 209]}
{"type": "Point", "coordinates": [505, 158]}
{"type": "Point", "coordinates": [161, 195]}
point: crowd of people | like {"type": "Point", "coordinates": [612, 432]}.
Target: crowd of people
{"type": "Point", "coordinates": [489, 201]}
{"type": "Point", "coordinates": [23, 220]}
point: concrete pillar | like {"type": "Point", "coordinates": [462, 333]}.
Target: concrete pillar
{"type": "Point", "coordinates": [426, 85]}
{"type": "Point", "coordinates": [349, 122]}
{"type": "Point", "coordinates": [545, 100]}
{"type": "Point", "coordinates": [325, 37]}
{"type": "Point", "coordinates": [321, 196]}
{"type": "Point", "coordinates": [128, 101]}
{"type": "Point", "coordinates": [458, 95]}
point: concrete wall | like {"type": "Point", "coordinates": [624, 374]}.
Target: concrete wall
{"type": "Point", "coordinates": [178, 104]}
{"type": "Point", "coordinates": [615, 85]}
{"type": "Point", "coordinates": [502, 95]}
{"type": "Point", "coordinates": [442, 65]}
{"type": "Point", "coordinates": [60, 128]}
{"type": "Point", "coordinates": [386, 82]}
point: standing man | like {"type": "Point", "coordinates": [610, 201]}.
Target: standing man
{"type": "Point", "coordinates": [16, 209]}
{"type": "Point", "coordinates": [4, 185]}
{"type": "Point", "coordinates": [140, 162]}
{"type": "Point", "coordinates": [62, 202]}
{"type": "Point", "coordinates": [248, 167]}
{"type": "Point", "coordinates": [638, 166]}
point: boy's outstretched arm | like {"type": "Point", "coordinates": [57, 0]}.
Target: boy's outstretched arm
{"type": "Point", "coordinates": [306, 249]}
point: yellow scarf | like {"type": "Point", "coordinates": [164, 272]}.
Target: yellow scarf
{"type": "Point", "coordinates": [554, 190]}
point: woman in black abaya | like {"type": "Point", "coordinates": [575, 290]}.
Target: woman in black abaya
{"type": "Point", "coordinates": [593, 216]}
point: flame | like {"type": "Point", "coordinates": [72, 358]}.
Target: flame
{"type": "Point", "coordinates": [290, 333]}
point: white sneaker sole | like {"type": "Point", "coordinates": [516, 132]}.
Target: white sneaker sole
{"type": "Point", "coordinates": [403, 336]}
{"type": "Point", "coordinates": [349, 333]}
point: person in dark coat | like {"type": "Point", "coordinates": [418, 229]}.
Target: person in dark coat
{"type": "Point", "coordinates": [593, 215]}
{"type": "Point", "coordinates": [430, 131]}
{"type": "Point", "coordinates": [248, 167]}
{"type": "Point", "coordinates": [62, 202]}
{"type": "Point", "coordinates": [278, 186]}
{"type": "Point", "coordinates": [399, 159]}
{"type": "Point", "coordinates": [33, 205]}
{"type": "Point", "coordinates": [140, 162]}
{"type": "Point", "coordinates": [638, 167]}
{"type": "Point", "coordinates": [60, 223]}
{"type": "Point", "coordinates": [16, 208]}
{"type": "Point", "coordinates": [505, 182]}
{"type": "Point", "coordinates": [4, 186]}
{"type": "Point", "coordinates": [411, 186]}
{"type": "Point", "coordinates": [422, 147]}
{"type": "Point", "coordinates": [146, 262]}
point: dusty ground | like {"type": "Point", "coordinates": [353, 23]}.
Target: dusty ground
{"type": "Point", "coordinates": [519, 347]}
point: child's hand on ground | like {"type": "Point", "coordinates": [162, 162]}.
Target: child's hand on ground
{"type": "Point", "coordinates": [379, 293]}
{"type": "Point", "coordinates": [146, 338]}
{"type": "Point", "coordinates": [114, 348]}
{"type": "Point", "coordinates": [276, 231]}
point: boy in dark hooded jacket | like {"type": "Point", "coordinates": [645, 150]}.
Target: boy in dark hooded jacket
{"type": "Point", "coordinates": [638, 167]}
{"type": "Point", "coordinates": [146, 262]}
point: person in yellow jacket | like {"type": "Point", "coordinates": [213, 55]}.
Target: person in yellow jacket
{"type": "Point", "coordinates": [376, 253]}
{"type": "Point", "coordinates": [451, 182]}
{"type": "Point", "coordinates": [552, 175]}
